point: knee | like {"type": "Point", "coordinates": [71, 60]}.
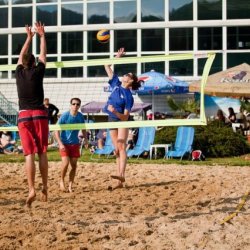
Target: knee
{"type": "Point", "coordinates": [121, 145]}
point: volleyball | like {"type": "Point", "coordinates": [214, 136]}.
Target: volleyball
{"type": "Point", "coordinates": [103, 36]}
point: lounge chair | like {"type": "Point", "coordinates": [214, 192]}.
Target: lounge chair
{"type": "Point", "coordinates": [107, 149]}
{"type": "Point", "coordinates": [183, 143]}
{"type": "Point", "coordinates": [146, 136]}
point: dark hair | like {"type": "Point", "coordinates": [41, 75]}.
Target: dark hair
{"type": "Point", "coordinates": [76, 99]}
{"type": "Point", "coordinates": [28, 60]}
{"type": "Point", "coordinates": [220, 115]}
{"type": "Point", "coordinates": [231, 111]}
{"type": "Point", "coordinates": [135, 84]}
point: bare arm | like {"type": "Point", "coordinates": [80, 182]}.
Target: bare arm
{"type": "Point", "coordinates": [109, 71]}
{"type": "Point", "coordinates": [59, 141]}
{"type": "Point", "coordinates": [26, 45]}
{"type": "Point", "coordinates": [85, 137]}
{"type": "Point", "coordinates": [122, 117]}
{"type": "Point", "coordinates": [43, 47]}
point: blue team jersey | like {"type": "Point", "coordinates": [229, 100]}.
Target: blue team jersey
{"type": "Point", "coordinates": [120, 98]}
{"type": "Point", "coordinates": [70, 136]}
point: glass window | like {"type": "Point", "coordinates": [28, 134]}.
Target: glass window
{"type": "Point", "coordinates": [98, 13]}
{"type": "Point", "coordinates": [13, 61]}
{"type": "Point", "coordinates": [72, 14]}
{"type": "Point", "coordinates": [96, 71]}
{"type": "Point", "coordinates": [125, 39]}
{"type": "Point", "coordinates": [125, 12]}
{"type": "Point", "coordinates": [4, 45]}
{"type": "Point", "coordinates": [3, 2]}
{"type": "Point", "coordinates": [121, 69]}
{"type": "Point", "coordinates": [216, 66]}
{"type": "Point", "coordinates": [238, 37]}
{"type": "Point", "coordinates": [4, 18]}
{"type": "Point", "coordinates": [209, 38]}
{"type": "Point", "coordinates": [234, 59]}
{"type": "Point", "coordinates": [51, 40]}
{"type": "Point", "coordinates": [181, 39]}
{"type": "Point", "coordinates": [156, 66]}
{"type": "Point", "coordinates": [46, 1]}
{"type": "Point", "coordinates": [21, 1]}
{"type": "Point", "coordinates": [238, 9]}
{"type": "Point", "coordinates": [51, 73]}
{"type": "Point", "coordinates": [95, 46]}
{"type": "Point", "coordinates": [153, 40]}
{"type": "Point", "coordinates": [21, 16]}
{"type": "Point", "coordinates": [180, 10]}
{"type": "Point", "coordinates": [209, 9]}
{"type": "Point", "coordinates": [72, 42]}
{"type": "Point", "coordinates": [47, 14]}
{"type": "Point", "coordinates": [181, 68]}
{"type": "Point", "coordinates": [152, 11]}
{"type": "Point", "coordinates": [3, 74]}
{"type": "Point", "coordinates": [18, 42]}
{"type": "Point", "coordinates": [72, 72]}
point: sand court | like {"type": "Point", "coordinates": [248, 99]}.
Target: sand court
{"type": "Point", "coordinates": [160, 207]}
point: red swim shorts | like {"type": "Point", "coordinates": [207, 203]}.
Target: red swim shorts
{"type": "Point", "coordinates": [71, 150]}
{"type": "Point", "coordinates": [33, 130]}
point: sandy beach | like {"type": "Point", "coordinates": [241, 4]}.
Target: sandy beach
{"type": "Point", "coordinates": [161, 207]}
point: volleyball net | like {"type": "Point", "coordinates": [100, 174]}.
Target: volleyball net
{"type": "Point", "coordinates": [130, 60]}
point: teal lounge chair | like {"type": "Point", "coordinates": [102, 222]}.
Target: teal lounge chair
{"type": "Point", "coordinates": [146, 136]}
{"type": "Point", "coordinates": [107, 149]}
{"type": "Point", "coordinates": [183, 143]}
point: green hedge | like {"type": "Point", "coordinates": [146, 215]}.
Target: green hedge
{"type": "Point", "coordinates": [214, 140]}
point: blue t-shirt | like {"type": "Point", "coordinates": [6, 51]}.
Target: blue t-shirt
{"type": "Point", "coordinates": [70, 136]}
{"type": "Point", "coordinates": [120, 98]}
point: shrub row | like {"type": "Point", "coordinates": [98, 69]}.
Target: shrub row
{"type": "Point", "coordinates": [214, 140]}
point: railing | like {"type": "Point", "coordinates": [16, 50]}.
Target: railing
{"type": "Point", "coordinates": [8, 111]}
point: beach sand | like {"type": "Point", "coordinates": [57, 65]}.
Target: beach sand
{"type": "Point", "coordinates": [161, 207]}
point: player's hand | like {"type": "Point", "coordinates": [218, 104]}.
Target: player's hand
{"type": "Point", "coordinates": [29, 31]}
{"type": "Point", "coordinates": [39, 28]}
{"type": "Point", "coordinates": [121, 52]}
{"type": "Point", "coordinates": [61, 147]}
{"type": "Point", "coordinates": [111, 108]}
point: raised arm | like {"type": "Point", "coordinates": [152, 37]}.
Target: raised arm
{"type": "Point", "coordinates": [43, 47]}
{"type": "Point", "coordinates": [121, 52]}
{"type": "Point", "coordinates": [26, 45]}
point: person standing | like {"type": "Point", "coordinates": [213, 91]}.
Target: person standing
{"type": "Point", "coordinates": [118, 108]}
{"type": "Point", "coordinates": [68, 142]}
{"type": "Point", "coordinates": [32, 117]}
{"type": "Point", "coordinates": [52, 111]}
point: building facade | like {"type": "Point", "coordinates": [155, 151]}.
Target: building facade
{"type": "Point", "coordinates": [143, 27]}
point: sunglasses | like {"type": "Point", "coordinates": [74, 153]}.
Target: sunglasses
{"type": "Point", "coordinates": [75, 104]}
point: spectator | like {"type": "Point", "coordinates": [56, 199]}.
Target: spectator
{"type": "Point", "coordinates": [232, 116]}
{"type": "Point", "coordinates": [101, 137]}
{"type": "Point", "coordinates": [52, 111]}
{"type": "Point", "coordinates": [220, 116]}
{"type": "Point", "coordinates": [7, 145]}
{"type": "Point", "coordinates": [132, 138]}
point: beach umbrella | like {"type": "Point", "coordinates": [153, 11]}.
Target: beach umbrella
{"type": "Point", "coordinates": [233, 82]}
{"type": "Point", "coordinates": [155, 83]}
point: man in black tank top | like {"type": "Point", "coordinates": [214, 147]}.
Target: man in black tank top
{"type": "Point", "coordinates": [33, 118]}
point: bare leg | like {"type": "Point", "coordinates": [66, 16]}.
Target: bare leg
{"type": "Point", "coordinates": [64, 168]}
{"type": "Point", "coordinates": [72, 173]}
{"type": "Point", "coordinates": [114, 136]}
{"type": "Point", "coordinates": [30, 172]}
{"type": "Point", "coordinates": [43, 166]}
{"type": "Point", "coordinates": [122, 156]}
